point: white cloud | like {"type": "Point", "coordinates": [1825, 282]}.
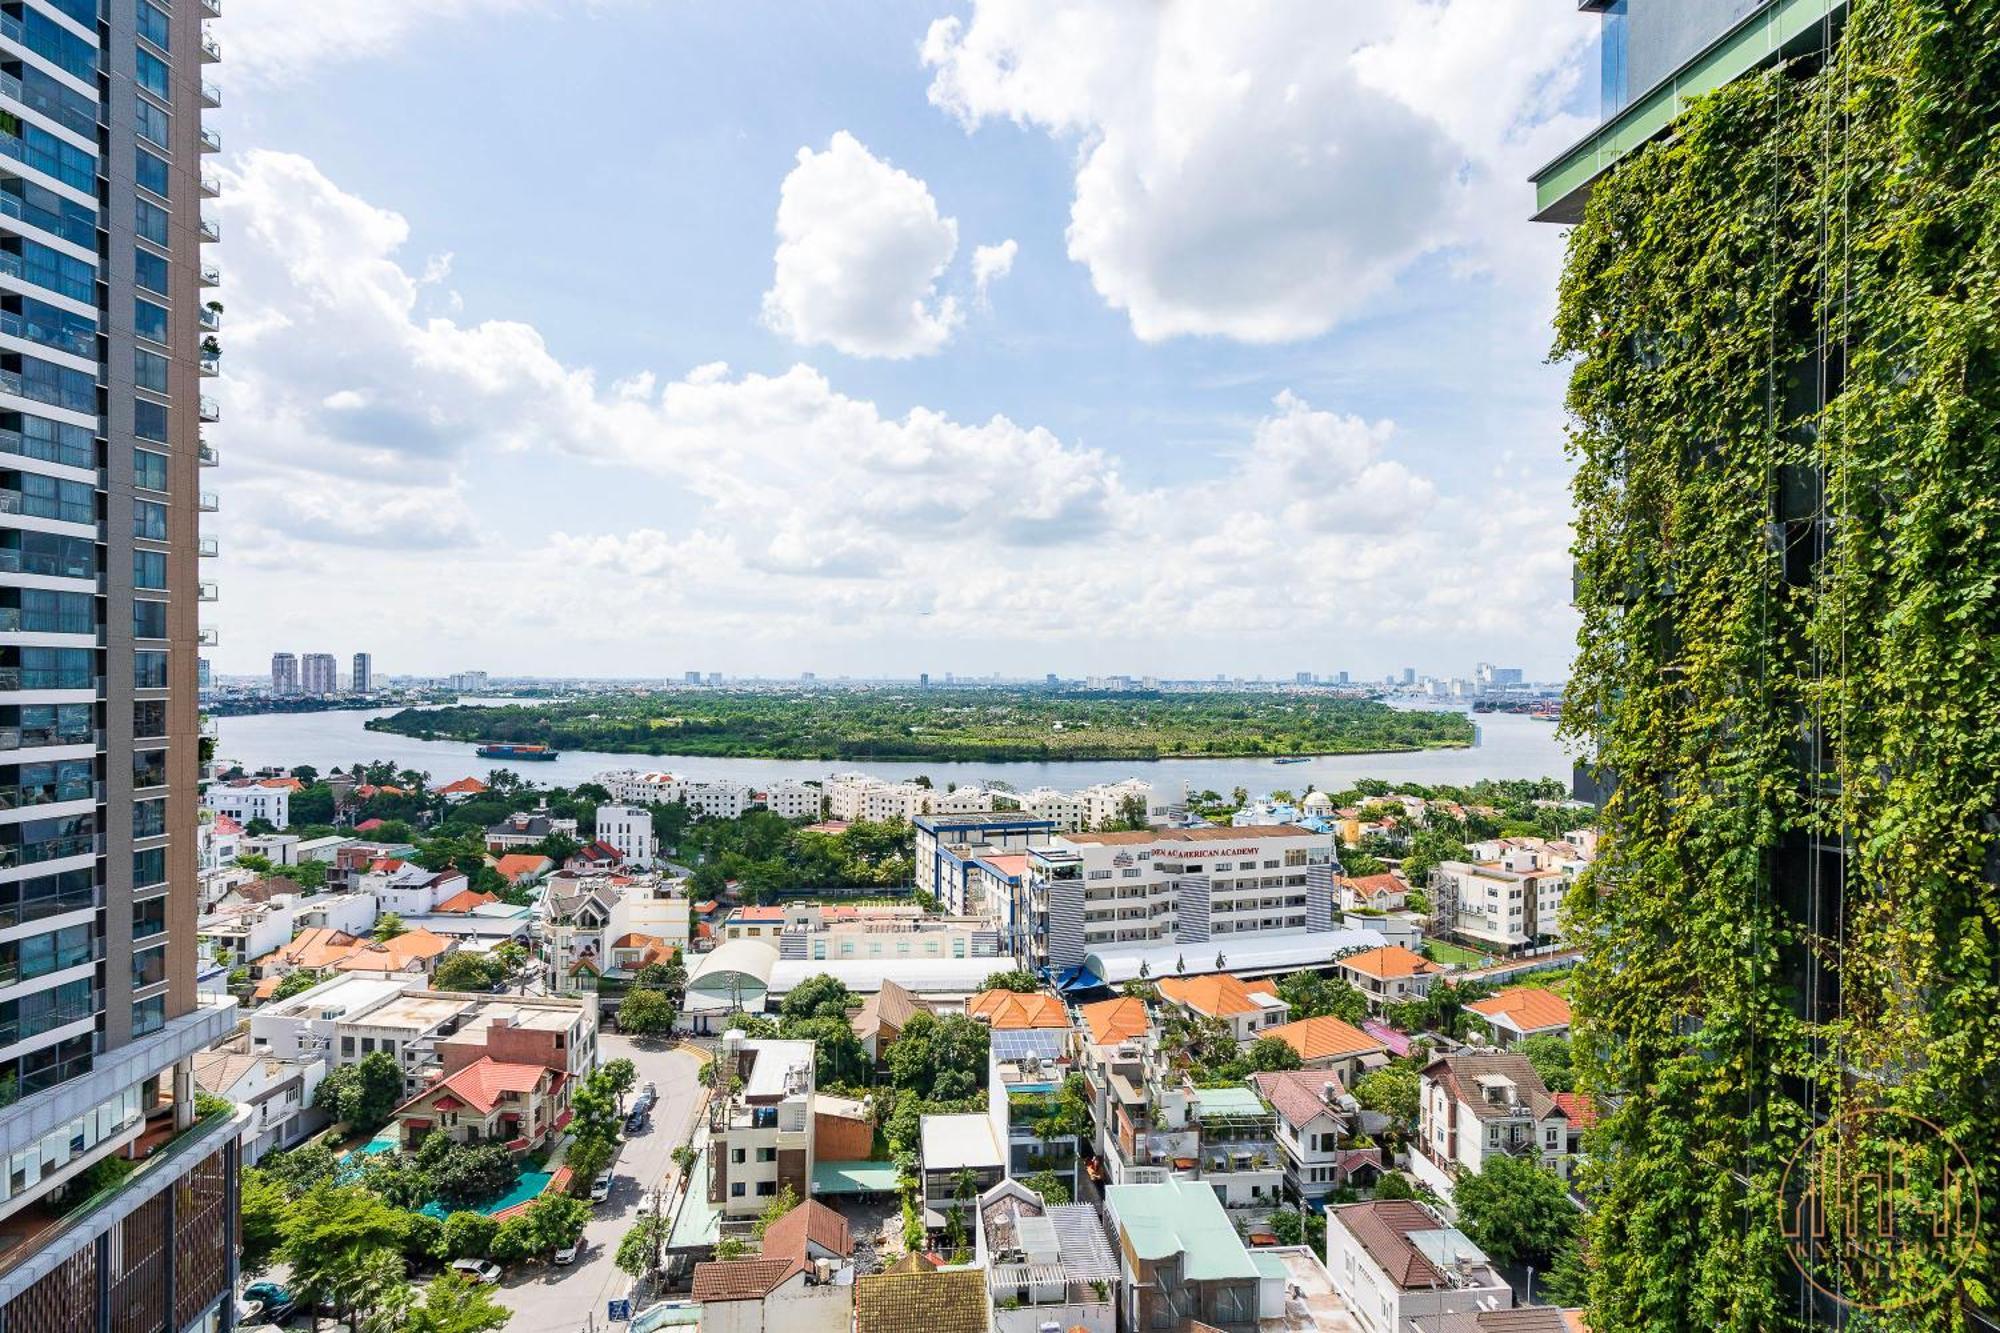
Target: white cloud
{"type": "Point", "coordinates": [990, 263]}
{"type": "Point", "coordinates": [1264, 169]}
{"type": "Point", "coordinates": [861, 247]}
{"type": "Point", "coordinates": [373, 430]}
{"type": "Point", "coordinates": [280, 41]}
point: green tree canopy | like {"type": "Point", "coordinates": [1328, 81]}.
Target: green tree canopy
{"type": "Point", "coordinates": [1516, 1211]}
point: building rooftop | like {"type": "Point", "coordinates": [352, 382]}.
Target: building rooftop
{"type": "Point", "coordinates": [1413, 1248]}
{"type": "Point", "coordinates": [1525, 1009]}
{"type": "Point", "coordinates": [1114, 965]}
{"type": "Point", "coordinates": [1324, 1038]}
{"type": "Point", "coordinates": [1109, 1022]}
{"type": "Point", "coordinates": [1003, 1009]}
{"type": "Point", "coordinates": [1389, 963]}
{"type": "Point", "coordinates": [960, 1142]}
{"type": "Point", "coordinates": [913, 1297]}
{"type": "Point", "coordinates": [338, 998]}
{"type": "Point", "coordinates": [1181, 1217]}
{"type": "Point", "coordinates": [419, 1012]}
{"type": "Point", "coordinates": [1220, 995]}
{"type": "Point", "coordinates": [1191, 835]}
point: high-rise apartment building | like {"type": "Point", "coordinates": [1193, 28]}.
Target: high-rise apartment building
{"type": "Point", "coordinates": [319, 674]}
{"type": "Point", "coordinates": [104, 344]}
{"type": "Point", "coordinates": [364, 673]}
{"type": "Point", "coordinates": [1783, 422]}
{"type": "Point", "coordinates": [284, 674]}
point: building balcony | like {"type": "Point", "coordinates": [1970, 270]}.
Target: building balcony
{"type": "Point", "coordinates": [209, 411]}
{"type": "Point", "coordinates": [210, 364]}
{"type": "Point", "coordinates": [207, 548]}
{"type": "Point", "coordinates": [211, 276]}
{"type": "Point", "coordinates": [211, 230]}
{"type": "Point", "coordinates": [211, 96]}
{"type": "Point", "coordinates": [206, 455]}
{"type": "Point", "coordinates": [210, 315]}
{"type": "Point", "coordinates": [211, 185]}
{"type": "Point", "coordinates": [208, 502]}
{"type": "Point", "coordinates": [207, 592]}
{"type": "Point", "coordinates": [211, 142]}
{"type": "Point", "coordinates": [211, 50]}
{"type": "Point", "coordinates": [208, 637]}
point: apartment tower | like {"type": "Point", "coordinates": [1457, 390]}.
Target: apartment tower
{"type": "Point", "coordinates": [319, 674]}
{"type": "Point", "coordinates": [284, 674]}
{"type": "Point", "coordinates": [364, 673]}
{"type": "Point", "coordinates": [1777, 300]}
{"type": "Point", "coordinates": [105, 340]}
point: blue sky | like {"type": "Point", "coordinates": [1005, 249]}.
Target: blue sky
{"type": "Point", "coordinates": [1260, 390]}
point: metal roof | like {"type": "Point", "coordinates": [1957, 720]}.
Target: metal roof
{"type": "Point", "coordinates": [864, 976]}
{"type": "Point", "coordinates": [1181, 1217]}
{"type": "Point", "coordinates": [1246, 955]}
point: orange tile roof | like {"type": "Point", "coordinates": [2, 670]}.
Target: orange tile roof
{"type": "Point", "coordinates": [1389, 963]}
{"type": "Point", "coordinates": [1218, 996]}
{"type": "Point", "coordinates": [1006, 1010]}
{"type": "Point", "coordinates": [1529, 1008]}
{"type": "Point", "coordinates": [265, 989]}
{"type": "Point", "coordinates": [465, 900]}
{"type": "Point", "coordinates": [1374, 886]}
{"type": "Point", "coordinates": [516, 866]}
{"type": "Point", "coordinates": [1580, 1107]}
{"type": "Point", "coordinates": [1112, 1021]}
{"type": "Point", "coordinates": [717, 1281]}
{"type": "Point", "coordinates": [319, 946]}
{"type": "Point", "coordinates": [395, 955]}
{"type": "Point", "coordinates": [480, 1083]}
{"type": "Point", "coordinates": [1325, 1037]}
{"type": "Point", "coordinates": [470, 786]}
{"type": "Point", "coordinates": [811, 1221]}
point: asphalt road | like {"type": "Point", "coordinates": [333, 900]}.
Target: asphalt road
{"type": "Point", "coordinates": [547, 1299]}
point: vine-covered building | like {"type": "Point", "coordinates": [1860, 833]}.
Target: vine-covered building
{"type": "Point", "coordinates": [1781, 306]}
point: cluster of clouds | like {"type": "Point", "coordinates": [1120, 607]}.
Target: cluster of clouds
{"type": "Point", "coordinates": [1259, 172]}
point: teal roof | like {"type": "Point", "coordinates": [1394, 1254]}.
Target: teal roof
{"type": "Point", "coordinates": [1228, 1101]}
{"type": "Point", "coordinates": [853, 1178]}
{"type": "Point", "coordinates": [1269, 1265]}
{"type": "Point", "coordinates": [1181, 1217]}
{"type": "Point", "coordinates": [698, 1224]}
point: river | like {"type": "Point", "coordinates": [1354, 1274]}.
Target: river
{"type": "Point", "coordinates": [1508, 746]}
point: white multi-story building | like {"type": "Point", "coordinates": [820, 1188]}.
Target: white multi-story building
{"type": "Point", "coordinates": [254, 798]}
{"type": "Point", "coordinates": [1479, 1105]}
{"type": "Point", "coordinates": [760, 1124]}
{"type": "Point", "coordinates": [319, 674]}
{"type": "Point", "coordinates": [629, 832]}
{"type": "Point", "coordinates": [1107, 802]}
{"type": "Point", "coordinates": [722, 799]}
{"type": "Point", "coordinates": [1509, 903]}
{"type": "Point", "coordinates": [1064, 809]}
{"type": "Point", "coordinates": [719, 800]}
{"type": "Point", "coordinates": [1399, 1268]}
{"type": "Point", "coordinates": [794, 800]}
{"type": "Point", "coordinates": [856, 796]}
{"type": "Point", "coordinates": [962, 859]}
{"type": "Point", "coordinates": [1172, 886]}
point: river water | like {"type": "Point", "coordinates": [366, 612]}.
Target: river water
{"type": "Point", "coordinates": [1509, 746]}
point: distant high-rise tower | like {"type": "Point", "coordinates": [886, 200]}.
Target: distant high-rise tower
{"type": "Point", "coordinates": [923, 680]}
{"type": "Point", "coordinates": [318, 675]}
{"type": "Point", "coordinates": [364, 673]}
{"type": "Point", "coordinates": [284, 674]}
{"type": "Point", "coordinates": [690, 677]}
{"type": "Point", "coordinates": [1409, 675]}
{"type": "Point", "coordinates": [109, 341]}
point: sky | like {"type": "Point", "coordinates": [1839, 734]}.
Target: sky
{"type": "Point", "coordinates": [630, 337]}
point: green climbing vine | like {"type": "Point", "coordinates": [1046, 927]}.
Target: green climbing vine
{"type": "Point", "coordinates": [1784, 327]}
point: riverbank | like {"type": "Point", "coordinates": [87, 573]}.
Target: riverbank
{"type": "Point", "coordinates": [1504, 746]}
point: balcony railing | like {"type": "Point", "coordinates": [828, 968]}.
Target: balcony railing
{"type": "Point", "coordinates": [211, 318]}
{"type": "Point", "coordinates": [211, 230]}
{"type": "Point", "coordinates": [207, 592]}
{"type": "Point", "coordinates": [208, 502]}
{"type": "Point", "coordinates": [206, 455]}
{"type": "Point", "coordinates": [27, 797]}
{"type": "Point", "coordinates": [207, 548]}
{"type": "Point", "coordinates": [208, 637]}
{"type": "Point", "coordinates": [55, 849]}
{"type": "Point", "coordinates": [211, 50]}
{"type": "Point", "coordinates": [211, 276]}
{"type": "Point", "coordinates": [211, 364]}
{"type": "Point", "coordinates": [34, 738]}
{"type": "Point", "coordinates": [211, 185]}
{"type": "Point", "coordinates": [211, 142]}
{"type": "Point", "coordinates": [213, 8]}
{"type": "Point", "coordinates": [210, 94]}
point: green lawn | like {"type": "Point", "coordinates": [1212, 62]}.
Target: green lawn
{"type": "Point", "coordinates": [1452, 955]}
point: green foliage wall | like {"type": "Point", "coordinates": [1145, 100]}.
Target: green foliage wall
{"type": "Point", "coordinates": [1783, 322]}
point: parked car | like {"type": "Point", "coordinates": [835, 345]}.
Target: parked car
{"type": "Point", "coordinates": [635, 1122]}
{"type": "Point", "coordinates": [476, 1271]}
{"type": "Point", "coordinates": [600, 1188]}
{"type": "Point", "coordinates": [267, 1291]}
{"type": "Point", "coordinates": [567, 1254]}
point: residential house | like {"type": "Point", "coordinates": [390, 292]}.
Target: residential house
{"type": "Point", "coordinates": [760, 1124]}
{"type": "Point", "coordinates": [408, 889]}
{"type": "Point", "coordinates": [802, 1280]}
{"type": "Point", "coordinates": [1519, 1012]}
{"type": "Point", "coordinates": [651, 904]}
{"type": "Point", "coordinates": [1333, 1045]}
{"type": "Point", "coordinates": [593, 858]}
{"type": "Point", "coordinates": [883, 1017]}
{"type": "Point", "coordinates": [1399, 1267]}
{"type": "Point", "coordinates": [1025, 1074]}
{"type": "Point", "coordinates": [959, 1158]}
{"type": "Point", "coordinates": [1047, 1265]}
{"type": "Point", "coordinates": [278, 1090]}
{"type": "Point", "coordinates": [521, 868]}
{"type": "Point", "coordinates": [576, 913]}
{"type": "Point", "coordinates": [1249, 1009]}
{"type": "Point", "coordinates": [457, 793]}
{"type": "Point", "coordinates": [1316, 1117]}
{"type": "Point", "coordinates": [464, 902]}
{"type": "Point", "coordinates": [1507, 903]}
{"type": "Point", "coordinates": [1116, 1021]}
{"type": "Point", "coordinates": [355, 913]}
{"type": "Point", "coordinates": [234, 935]}
{"type": "Point", "coordinates": [1478, 1105]}
{"type": "Point", "coordinates": [525, 829]}
{"type": "Point", "coordinates": [1181, 1260]}
{"type": "Point", "coordinates": [915, 1296]}
{"type": "Point", "coordinates": [792, 800]}
{"type": "Point", "coordinates": [248, 799]}
{"type": "Point", "coordinates": [1372, 893]}
{"type": "Point", "coordinates": [1009, 1011]}
{"type": "Point", "coordinates": [488, 1102]}
{"type": "Point", "coordinates": [415, 952]}
{"type": "Point", "coordinates": [627, 831]}
{"type": "Point", "coordinates": [1389, 975]}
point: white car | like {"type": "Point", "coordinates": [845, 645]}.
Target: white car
{"type": "Point", "coordinates": [477, 1271]}
{"type": "Point", "coordinates": [567, 1254]}
{"type": "Point", "coordinates": [600, 1188]}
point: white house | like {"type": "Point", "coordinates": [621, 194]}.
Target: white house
{"type": "Point", "coordinates": [246, 799]}
{"type": "Point", "coordinates": [1047, 1265]}
{"type": "Point", "coordinates": [1316, 1114]}
{"type": "Point", "coordinates": [629, 831]}
{"type": "Point", "coordinates": [407, 889]}
{"type": "Point", "coordinates": [1395, 1263]}
{"type": "Point", "coordinates": [355, 912]}
{"type": "Point", "coordinates": [801, 1282]}
{"type": "Point", "coordinates": [1478, 1105]}
{"type": "Point", "coordinates": [279, 1092]}
{"type": "Point", "coordinates": [235, 935]}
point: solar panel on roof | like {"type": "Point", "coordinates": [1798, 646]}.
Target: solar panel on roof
{"type": "Point", "coordinates": [1012, 1044]}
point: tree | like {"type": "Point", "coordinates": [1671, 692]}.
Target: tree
{"type": "Point", "coordinates": [465, 972]}
{"type": "Point", "coordinates": [785, 1200]}
{"type": "Point", "coordinates": [1516, 1211]}
{"type": "Point", "coordinates": [363, 1094]}
{"type": "Point", "coordinates": [646, 1013]}
{"type": "Point", "coordinates": [1269, 1053]}
{"type": "Point", "coordinates": [820, 996]}
{"type": "Point", "coordinates": [587, 1157]}
{"type": "Point", "coordinates": [1550, 1055]}
{"type": "Point", "coordinates": [330, 1237]}
{"type": "Point", "coordinates": [557, 1220]}
{"type": "Point", "coordinates": [465, 1176]}
{"type": "Point", "coordinates": [1392, 1092]}
{"type": "Point", "coordinates": [1052, 1187]}
{"type": "Point", "coordinates": [388, 926]}
{"type": "Point", "coordinates": [468, 1235]}
{"type": "Point", "coordinates": [423, 1238]}
{"type": "Point", "coordinates": [941, 1058]}
{"type": "Point", "coordinates": [618, 1075]}
{"type": "Point", "coordinates": [294, 983]}
{"type": "Point", "coordinates": [264, 1203]}
{"type": "Point", "coordinates": [514, 1241]}
{"type": "Point", "coordinates": [637, 1250]}
{"type": "Point", "coordinates": [1314, 994]}
{"type": "Point", "coordinates": [1019, 980]}
{"type": "Point", "coordinates": [451, 1304]}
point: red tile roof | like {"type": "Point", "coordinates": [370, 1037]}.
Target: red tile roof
{"type": "Point", "coordinates": [1581, 1108]}
{"type": "Point", "coordinates": [465, 786]}
{"type": "Point", "coordinates": [1299, 1094]}
{"type": "Point", "coordinates": [465, 900]}
{"type": "Point", "coordinates": [480, 1083]}
{"type": "Point", "coordinates": [1389, 963]}
{"type": "Point", "coordinates": [1111, 1021]}
{"type": "Point", "coordinates": [1005, 1010]}
{"type": "Point", "coordinates": [516, 866]}
{"type": "Point", "coordinates": [812, 1221]}
{"type": "Point", "coordinates": [740, 1279]}
{"type": "Point", "coordinates": [1324, 1038]}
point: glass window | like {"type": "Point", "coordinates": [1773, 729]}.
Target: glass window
{"type": "Point", "coordinates": [74, 278]}
{"type": "Point", "coordinates": [154, 124]}
{"type": "Point", "coordinates": [149, 422]}
{"type": "Point", "coordinates": [59, 386]}
{"type": "Point", "coordinates": [50, 39]}
{"type": "Point", "coordinates": [149, 269]}
{"type": "Point", "coordinates": [57, 100]}
{"type": "Point", "coordinates": [149, 718]}
{"type": "Point", "coordinates": [152, 72]}
{"type": "Point", "coordinates": [45, 612]}
{"type": "Point", "coordinates": [154, 25]}
{"type": "Point", "coordinates": [149, 1015]}
{"type": "Point", "coordinates": [57, 668]}
{"type": "Point", "coordinates": [149, 620]}
{"type": "Point", "coordinates": [52, 327]}
{"type": "Point", "coordinates": [149, 918]}
{"type": "Point", "coordinates": [152, 175]}
{"type": "Point", "coordinates": [149, 867]}
{"type": "Point", "coordinates": [50, 211]}
{"type": "Point", "coordinates": [149, 769]}
{"type": "Point", "coordinates": [149, 369]}
{"type": "Point", "coordinates": [149, 966]}
{"type": "Point", "coordinates": [52, 497]}
{"type": "Point", "coordinates": [152, 222]}
{"type": "Point", "coordinates": [149, 671]}
{"type": "Point", "coordinates": [149, 320]}
{"type": "Point", "coordinates": [149, 520]}
{"type": "Point", "coordinates": [49, 441]}
{"type": "Point", "coordinates": [149, 569]}
{"type": "Point", "coordinates": [148, 468]}
{"type": "Point", "coordinates": [49, 554]}
{"type": "Point", "coordinates": [73, 166]}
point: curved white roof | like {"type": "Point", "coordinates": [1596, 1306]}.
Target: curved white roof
{"type": "Point", "coordinates": [737, 973]}
{"type": "Point", "coordinates": [1242, 955]}
{"type": "Point", "coordinates": [864, 976]}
